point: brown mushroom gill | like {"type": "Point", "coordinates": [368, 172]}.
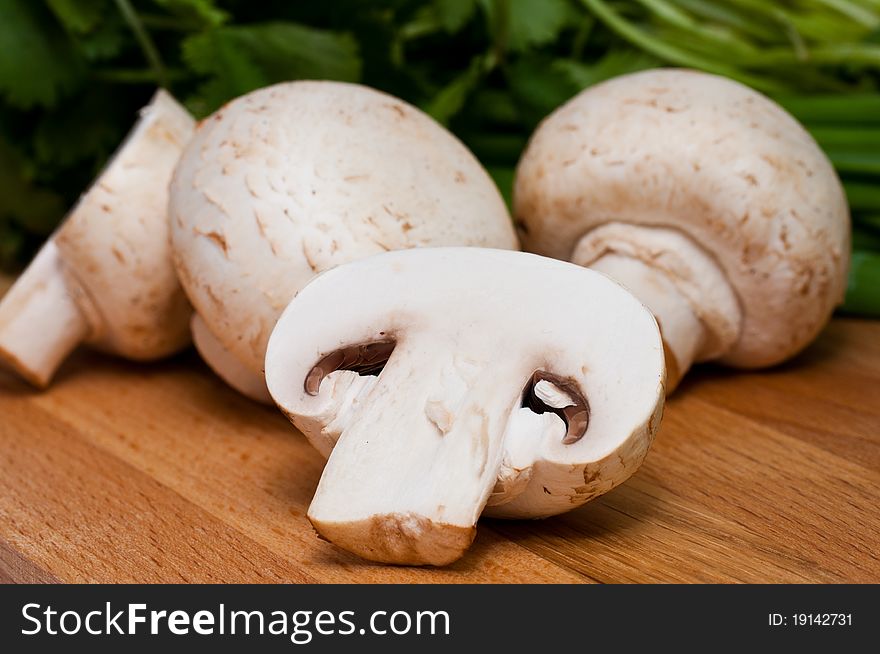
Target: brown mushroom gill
{"type": "Point", "coordinates": [364, 359]}
{"type": "Point", "coordinates": [576, 417]}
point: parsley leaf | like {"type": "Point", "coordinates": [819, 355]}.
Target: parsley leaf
{"type": "Point", "coordinates": [39, 62]}
{"type": "Point", "coordinates": [239, 59]}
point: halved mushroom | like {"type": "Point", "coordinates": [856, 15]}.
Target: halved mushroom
{"type": "Point", "coordinates": [454, 378]}
{"type": "Point", "coordinates": [105, 277]}
{"type": "Point", "coordinates": [296, 178]}
{"type": "Point", "coordinates": [704, 198]}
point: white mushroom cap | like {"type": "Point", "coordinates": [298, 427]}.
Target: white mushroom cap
{"type": "Point", "coordinates": [296, 178]}
{"type": "Point", "coordinates": [225, 365]}
{"type": "Point", "coordinates": [714, 160]}
{"type": "Point", "coordinates": [503, 377]}
{"type": "Point", "coordinates": [106, 276]}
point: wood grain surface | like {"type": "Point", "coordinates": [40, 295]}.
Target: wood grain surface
{"type": "Point", "coordinates": [159, 473]}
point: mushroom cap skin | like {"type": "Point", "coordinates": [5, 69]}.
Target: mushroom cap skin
{"type": "Point", "coordinates": [225, 365]}
{"type": "Point", "coordinates": [448, 424]}
{"type": "Point", "coordinates": [116, 246]}
{"type": "Point", "coordinates": [293, 179]}
{"type": "Point", "coordinates": [106, 277]}
{"type": "Point", "coordinates": [720, 163]}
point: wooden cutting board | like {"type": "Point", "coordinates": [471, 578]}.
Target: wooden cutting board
{"type": "Point", "coordinates": [158, 473]}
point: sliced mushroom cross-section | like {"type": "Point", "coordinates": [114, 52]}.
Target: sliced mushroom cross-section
{"type": "Point", "coordinates": [474, 376]}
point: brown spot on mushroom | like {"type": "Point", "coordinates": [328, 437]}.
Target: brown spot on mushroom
{"type": "Point", "coordinates": [258, 339]}
{"type": "Point", "coordinates": [216, 237]}
{"type": "Point", "coordinates": [119, 256]}
{"type": "Point", "coordinates": [106, 208]}
{"type": "Point", "coordinates": [261, 227]}
{"type": "Point", "coordinates": [397, 108]}
{"type": "Point", "coordinates": [211, 200]}
{"type": "Point", "coordinates": [806, 280]}
{"type": "Point", "coordinates": [591, 475]}
{"type": "Point", "coordinates": [750, 179]}
{"type": "Point", "coordinates": [212, 296]}
{"type": "Point", "coordinates": [249, 185]}
{"type": "Point", "coordinates": [773, 162]}
{"type": "Point", "coordinates": [460, 177]}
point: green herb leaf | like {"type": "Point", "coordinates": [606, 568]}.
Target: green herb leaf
{"type": "Point", "coordinates": [204, 11]}
{"type": "Point", "coordinates": [538, 87]}
{"type": "Point", "coordinates": [863, 290]}
{"type": "Point", "coordinates": [22, 203]}
{"type": "Point", "coordinates": [452, 97]}
{"type": "Point", "coordinates": [79, 16]}
{"type": "Point", "coordinates": [39, 62]}
{"type": "Point", "coordinates": [616, 62]}
{"type": "Point", "coordinates": [239, 59]}
{"type": "Point", "coordinates": [452, 15]}
{"type": "Point", "coordinates": [536, 22]}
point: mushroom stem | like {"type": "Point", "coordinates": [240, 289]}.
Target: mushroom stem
{"type": "Point", "coordinates": [40, 321]}
{"type": "Point", "coordinates": [683, 332]}
{"type": "Point", "coordinates": [409, 478]}
{"type": "Point", "coordinates": [225, 365]}
{"type": "Point", "coordinates": [688, 292]}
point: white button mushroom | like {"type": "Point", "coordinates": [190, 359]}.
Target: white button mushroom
{"type": "Point", "coordinates": [105, 277]}
{"type": "Point", "coordinates": [706, 199]}
{"type": "Point", "coordinates": [454, 378]}
{"type": "Point", "coordinates": [293, 179]}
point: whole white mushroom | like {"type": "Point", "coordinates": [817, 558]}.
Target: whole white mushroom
{"type": "Point", "coordinates": [293, 179]}
{"type": "Point", "coordinates": [703, 197]}
{"type": "Point", "coordinates": [105, 276]}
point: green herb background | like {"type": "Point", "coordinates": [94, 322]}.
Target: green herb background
{"type": "Point", "coordinates": [74, 72]}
